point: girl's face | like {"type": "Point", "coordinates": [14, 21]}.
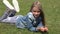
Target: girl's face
{"type": "Point", "coordinates": [35, 12]}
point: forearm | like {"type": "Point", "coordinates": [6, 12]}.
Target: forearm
{"type": "Point", "coordinates": [33, 29]}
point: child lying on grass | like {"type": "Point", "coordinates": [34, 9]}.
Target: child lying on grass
{"type": "Point", "coordinates": [33, 21]}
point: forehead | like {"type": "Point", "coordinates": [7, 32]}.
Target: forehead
{"type": "Point", "coordinates": [35, 9]}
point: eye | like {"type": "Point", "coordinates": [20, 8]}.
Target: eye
{"type": "Point", "coordinates": [34, 11]}
{"type": "Point", "coordinates": [37, 11]}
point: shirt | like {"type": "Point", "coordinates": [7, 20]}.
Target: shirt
{"type": "Point", "coordinates": [29, 22]}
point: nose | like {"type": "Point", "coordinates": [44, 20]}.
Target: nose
{"type": "Point", "coordinates": [36, 13]}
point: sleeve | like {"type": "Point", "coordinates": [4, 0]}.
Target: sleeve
{"type": "Point", "coordinates": [33, 29]}
{"type": "Point", "coordinates": [29, 22]}
{"type": "Point", "coordinates": [30, 16]}
{"type": "Point", "coordinates": [16, 5]}
{"type": "Point", "coordinates": [8, 4]}
{"type": "Point", "coordinates": [30, 26]}
{"type": "Point", "coordinates": [40, 25]}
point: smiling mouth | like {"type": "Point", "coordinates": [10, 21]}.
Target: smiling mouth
{"type": "Point", "coordinates": [36, 16]}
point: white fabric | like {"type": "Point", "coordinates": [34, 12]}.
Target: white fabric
{"type": "Point", "coordinates": [11, 19]}
{"type": "Point", "coordinates": [15, 3]}
{"type": "Point", "coordinates": [16, 6]}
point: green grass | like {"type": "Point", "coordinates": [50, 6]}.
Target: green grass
{"type": "Point", "coordinates": [51, 9]}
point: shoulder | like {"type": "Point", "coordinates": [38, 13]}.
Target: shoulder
{"type": "Point", "coordinates": [30, 15]}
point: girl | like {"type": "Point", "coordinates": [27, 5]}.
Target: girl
{"type": "Point", "coordinates": [11, 11]}
{"type": "Point", "coordinates": [33, 21]}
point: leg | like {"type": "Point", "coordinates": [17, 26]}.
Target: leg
{"type": "Point", "coordinates": [5, 14]}
{"type": "Point", "coordinates": [14, 20]}
{"type": "Point", "coordinates": [10, 20]}
{"type": "Point", "coordinates": [12, 13]}
{"type": "Point", "coordinates": [8, 13]}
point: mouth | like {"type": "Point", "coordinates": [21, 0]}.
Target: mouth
{"type": "Point", "coordinates": [36, 16]}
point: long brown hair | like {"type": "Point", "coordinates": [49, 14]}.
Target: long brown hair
{"type": "Point", "coordinates": [38, 4]}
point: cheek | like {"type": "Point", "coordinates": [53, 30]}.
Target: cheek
{"type": "Point", "coordinates": [33, 13]}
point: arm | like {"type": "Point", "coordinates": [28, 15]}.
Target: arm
{"type": "Point", "coordinates": [8, 4]}
{"type": "Point", "coordinates": [30, 26]}
{"type": "Point", "coordinates": [30, 18]}
{"type": "Point", "coordinates": [33, 28]}
{"type": "Point", "coordinates": [40, 25]}
{"type": "Point", "coordinates": [16, 5]}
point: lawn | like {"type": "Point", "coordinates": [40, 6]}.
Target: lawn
{"type": "Point", "coordinates": [51, 10]}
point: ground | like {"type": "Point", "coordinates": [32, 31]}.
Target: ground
{"type": "Point", "coordinates": [51, 10]}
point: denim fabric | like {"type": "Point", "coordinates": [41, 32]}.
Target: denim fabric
{"type": "Point", "coordinates": [27, 22]}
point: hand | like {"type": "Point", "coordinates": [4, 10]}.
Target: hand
{"type": "Point", "coordinates": [42, 29]}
